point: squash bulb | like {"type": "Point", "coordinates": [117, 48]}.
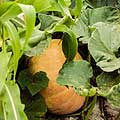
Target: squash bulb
{"type": "Point", "coordinates": [59, 99]}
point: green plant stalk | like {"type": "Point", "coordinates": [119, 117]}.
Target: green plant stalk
{"type": "Point", "coordinates": [91, 108]}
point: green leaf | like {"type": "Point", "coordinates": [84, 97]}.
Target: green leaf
{"type": "Point", "coordinates": [47, 20]}
{"type": "Point", "coordinates": [53, 6]}
{"type": "Point", "coordinates": [36, 109]}
{"type": "Point", "coordinates": [16, 46]}
{"type": "Point", "coordinates": [41, 5]}
{"type": "Point", "coordinates": [64, 8]}
{"type": "Point", "coordinates": [9, 10]}
{"type": "Point", "coordinates": [24, 78]}
{"type": "Point", "coordinates": [49, 5]}
{"type": "Point", "coordinates": [35, 106]}
{"type": "Point", "coordinates": [70, 44]}
{"type": "Point", "coordinates": [1, 111]}
{"type": "Point", "coordinates": [39, 82]}
{"type": "Point", "coordinates": [76, 74]}
{"type": "Point", "coordinates": [103, 14]}
{"type": "Point", "coordinates": [91, 16]}
{"type": "Point", "coordinates": [68, 2]}
{"type": "Point", "coordinates": [4, 59]}
{"type": "Point", "coordinates": [13, 108]}
{"type": "Point", "coordinates": [114, 96]}
{"type": "Point", "coordinates": [37, 43]}
{"type": "Point", "coordinates": [106, 82]}
{"type": "Point", "coordinates": [33, 83]}
{"type": "Point", "coordinates": [25, 1]}
{"type": "Point", "coordinates": [4, 7]}
{"type": "Point", "coordinates": [76, 11]}
{"type": "Point", "coordinates": [100, 3]}
{"type": "Point", "coordinates": [104, 46]}
{"type": "Point", "coordinates": [30, 15]}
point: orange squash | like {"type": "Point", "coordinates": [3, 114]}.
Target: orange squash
{"type": "Point", "coordinates": [59, 99]}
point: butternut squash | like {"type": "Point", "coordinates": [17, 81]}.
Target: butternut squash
{"type": "Point", "coordinates": [59, 99]}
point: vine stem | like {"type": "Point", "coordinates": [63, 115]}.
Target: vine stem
{"type": "Point", "coordinates": [91, 108]}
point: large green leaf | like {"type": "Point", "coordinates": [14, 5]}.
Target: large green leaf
{"type": "Point", "coordinates": [53, 6]}
{"type": "Point", "coordinates": [13, 109]}
{"type": "Point", "coordinates": [39, 82]}
{"type": "Point", "coordinates": [37, 43]}
{"type": "Point", "coordinates": [35, 106]}
{"type": "Point", "coordinates": [91, 16]}
{"type": "Point", "coordinates": [4, 58]}
{"type": "Point", "coordinates": [1, 111]}
{"type": "Point", "coordinates": [109, 87]}
{"type": "Point", "coordinates": [4, 7]}
{"type": "Point", "coordinates": [104, 46]}
{"type": "Point", "coordinates": [70, 44]}
{"type": "Point", "coordinates": [10, 96]}
{"type": "Point", "coordinates": [76, 74]}
{"type": "Point", "coordinates": [64, 8]}
{"type": "Point", "coordinates": [25, 1]}
{"type": "Point", "coordinates": [24, 78]}
{"type": "Point", "coordinates": [114, 96]}
{"type": "Point", "coordinates": [47, 20]}
{"type": "Point", "coordinates": [50, 5]}
{"type": "Point", "coordinates": [30, 15]}
{"type": "Point", "coordinates": [33, 83]}
{"type": "Point", "coordinates": [8, 10]}
{"type": "Point", "coordinates": [106, 82]}
{"type": "Point", "coordinates": [76, 11]}
{"type": "Point", "coordinates": [42, 6]}
{"type": "Point", "coordinates": [36, 109]}
{"type": "Point", "coordinates": [16, 47]}
{"type": "Point", "coordinates": [100, 3]}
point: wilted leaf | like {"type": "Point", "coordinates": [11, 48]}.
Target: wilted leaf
{"type": "Point", "coordinates": [104, 46]}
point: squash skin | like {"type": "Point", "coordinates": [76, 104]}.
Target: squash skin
{"type": "Point", "coordinates": [59, 99]}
